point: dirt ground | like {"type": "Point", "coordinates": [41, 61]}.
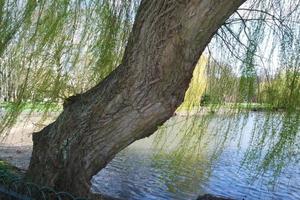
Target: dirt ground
{"type": "Point", "coordinates": [16, 146]}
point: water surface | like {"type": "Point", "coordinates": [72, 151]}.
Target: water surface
{"type": "Point", "coordinates": [186, 164]}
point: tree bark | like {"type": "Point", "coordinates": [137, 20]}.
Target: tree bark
{"type": "Point", "coordinates": [166, 42]}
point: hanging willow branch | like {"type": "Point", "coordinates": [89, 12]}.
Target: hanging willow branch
{"type": "Point", "coordinates": [51, 50]}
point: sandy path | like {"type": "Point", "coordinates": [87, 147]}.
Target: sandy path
{"type": "Point", "coordinates": [16, 147]}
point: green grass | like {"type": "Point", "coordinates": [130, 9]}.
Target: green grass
{"type": "Point", "coordinates": [250, 106]}
{"type": "Point", "coordinates": [9, 170]}
{"type": "Point", "coordinates": [31, 106]}
{"type": "Point", "coordinates": [237, 106]}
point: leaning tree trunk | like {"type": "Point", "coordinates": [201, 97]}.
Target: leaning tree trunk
{"type": "Point", "coordinates": [141, 94]}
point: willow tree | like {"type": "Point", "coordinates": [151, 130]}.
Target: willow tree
{"type": "Point", "coordinates": [165, 44]}
{"type": "Point", "coordinates": [122, 94]}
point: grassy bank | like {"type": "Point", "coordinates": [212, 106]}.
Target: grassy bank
{"type": "Point", "coordinates": [30, 106]}
{"type": "Point", "coordinates": [9, 170]}
{"type": "Point", "coordinates": [231, 106]}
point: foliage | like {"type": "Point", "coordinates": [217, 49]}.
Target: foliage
{"type": "Point", "coordinates": [196, 88]}
{"type": "Point", "coordinates": [50, 50]}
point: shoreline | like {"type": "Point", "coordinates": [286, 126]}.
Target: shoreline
{"type": "Point", "coordinates": [16, 149]}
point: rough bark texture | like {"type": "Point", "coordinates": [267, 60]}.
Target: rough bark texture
{"type": "Point", "coordinates": [141, 94]}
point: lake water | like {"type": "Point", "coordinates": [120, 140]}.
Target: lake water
{"type": "Point", "coordinates": [180, 162]}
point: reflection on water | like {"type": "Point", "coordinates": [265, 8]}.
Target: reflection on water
{"type": "Point", "coordinates": [203, 154]}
